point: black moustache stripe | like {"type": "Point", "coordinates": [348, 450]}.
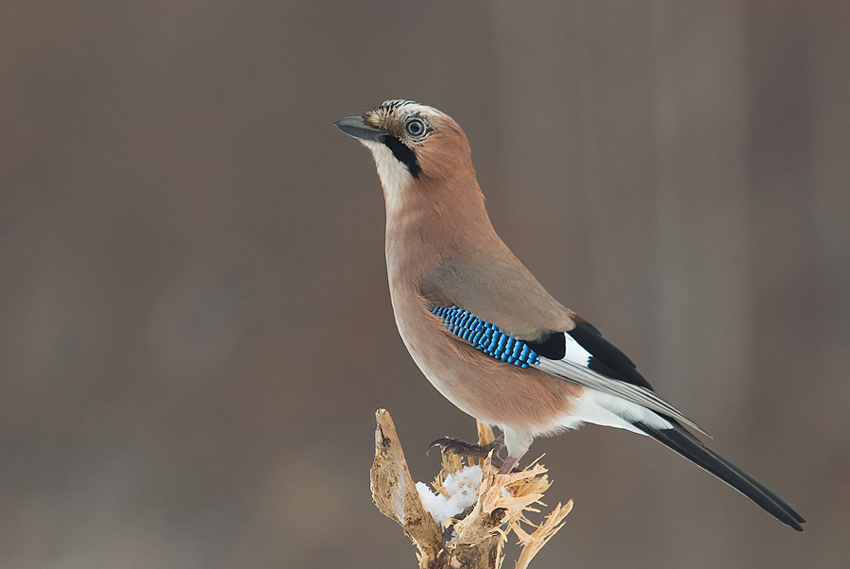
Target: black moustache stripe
{"type": "Point", "coordinates": [403, 154]}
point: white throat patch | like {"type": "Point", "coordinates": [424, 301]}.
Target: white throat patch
{"type": "Point", "coordinates": [394, 175]}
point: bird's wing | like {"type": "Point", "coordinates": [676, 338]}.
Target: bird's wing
{"type": "Point", "coordinates": [499, 289]}
{"type": "Point", "coordinates": [580, 355]}
{"type": "Point", "coordinates": [495, 292]}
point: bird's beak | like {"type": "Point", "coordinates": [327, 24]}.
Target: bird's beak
{"type": "Point", "coordinates": [356, 128]}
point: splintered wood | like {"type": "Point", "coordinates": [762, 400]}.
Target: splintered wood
{"type": "Point", "coordinates": [474, 540]}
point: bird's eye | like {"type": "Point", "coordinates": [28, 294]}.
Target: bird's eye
{"type": "Point", "coordinates": [415, 127]}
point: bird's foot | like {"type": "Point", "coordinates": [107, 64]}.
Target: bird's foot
{"type": "Point", "coordinates": [508, 465]}
{"type": "Point", "coordinates": [471, 450]}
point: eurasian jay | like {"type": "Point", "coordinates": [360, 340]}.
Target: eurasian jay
{"type": "Point", "coordinates": [481, 328]}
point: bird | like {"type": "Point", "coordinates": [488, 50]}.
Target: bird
{"type": "Point", "coordinates": [480, 326]}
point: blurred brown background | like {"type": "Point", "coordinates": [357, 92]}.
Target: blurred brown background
{"type": "Point", "coordinates": [195, 328]}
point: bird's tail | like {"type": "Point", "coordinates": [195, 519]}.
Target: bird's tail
{"type": "Point", "coordinates": [681, 441]}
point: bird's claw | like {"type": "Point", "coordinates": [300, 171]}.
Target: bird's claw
{"type": "Point", "coordinates": [463, 448]}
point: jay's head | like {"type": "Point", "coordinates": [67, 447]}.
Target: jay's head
{"type": "Point", "coordinates": [411, 144]}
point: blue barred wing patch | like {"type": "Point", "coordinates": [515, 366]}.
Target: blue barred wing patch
{"type": "Point", "coordinates": [486, 337]}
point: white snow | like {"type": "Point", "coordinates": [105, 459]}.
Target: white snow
{"type": "Point", "coordinates": [462, 488]}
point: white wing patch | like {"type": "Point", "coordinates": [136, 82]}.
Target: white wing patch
{"type": "Point", "coordinates": [576, 353]}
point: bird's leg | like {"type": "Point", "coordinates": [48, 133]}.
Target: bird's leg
{"type": "Point", "coordinates": [508, 465]}
{"type": "Point", "coordinates": [463, 448]}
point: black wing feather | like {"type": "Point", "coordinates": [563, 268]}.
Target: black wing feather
{"type": "Point", "coordinates": [606, 358]}
{"type": "Point", "coordinates": [552, 346]}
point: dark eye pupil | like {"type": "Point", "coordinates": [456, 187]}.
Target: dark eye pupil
{"type": "Point", "coordinates": [415, 127]}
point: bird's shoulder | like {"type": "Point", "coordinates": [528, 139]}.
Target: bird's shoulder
{"type": "Point", "coordinates": [501, 291]}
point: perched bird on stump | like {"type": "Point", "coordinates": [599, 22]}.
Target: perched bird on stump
{"type": "Point", "coordinates": [481, 328]}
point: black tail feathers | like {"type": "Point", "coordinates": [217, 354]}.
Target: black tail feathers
{"type": "Point", "coordinates": [681, 441]}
